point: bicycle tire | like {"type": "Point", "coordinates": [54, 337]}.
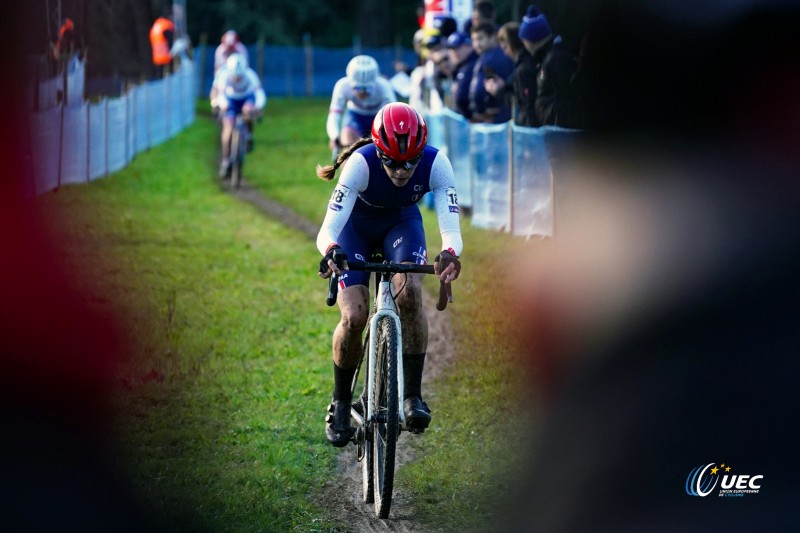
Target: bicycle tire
{"type": "Point", "coordinates": [236, 156]}
{"type": "Point", "coordinates": [386, 426]}
{"type": "Point", "coordinates": [367, 487]}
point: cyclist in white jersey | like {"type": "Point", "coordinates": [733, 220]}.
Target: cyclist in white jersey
{"type": "Point", "coordinates": [374, 206]}
{"type": "Point", "coordinates": [229, 44]}
{"type": "Point", "coordinates": [356, 99]}
{"type": "Point", "coordinates": [236, 90]}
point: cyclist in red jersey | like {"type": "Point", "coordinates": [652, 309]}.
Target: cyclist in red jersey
{"type": "Point", "coordinates": [374, 206]}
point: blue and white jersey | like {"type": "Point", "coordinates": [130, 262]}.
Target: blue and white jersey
{"type": "Point", "coordinates": [364, 187]}
{"type": "Point", "coordinates": [224, 92]}
{"type": "Point", "coordinates": [345, 97]}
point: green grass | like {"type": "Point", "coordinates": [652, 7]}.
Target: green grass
{"type": "Point", "coordinates": [220, 403]}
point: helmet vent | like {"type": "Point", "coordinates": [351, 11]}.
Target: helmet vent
{"type": "Point", "coordinates": [402, 143]}
{"type": "Point", "coordinates": [384, 137]}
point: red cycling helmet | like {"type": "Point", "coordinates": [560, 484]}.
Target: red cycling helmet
{"type": "Point", "coordinates": [399, 132]}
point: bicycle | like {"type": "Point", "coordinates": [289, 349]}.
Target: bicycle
{"type": "Point", "coordinates": [238, 149]}
{"type": "Point", "coordinates": [378, 428]}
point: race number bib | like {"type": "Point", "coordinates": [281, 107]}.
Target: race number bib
{"type": "Point", "coordinates": [452, 200]}
{"type": "Point", "coordinates": [337, 198]}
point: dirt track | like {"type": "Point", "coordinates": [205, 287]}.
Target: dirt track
{"type": "Point", "coordinates": [342, 496]}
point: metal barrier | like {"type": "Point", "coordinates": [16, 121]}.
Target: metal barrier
{"type": "Point", "coordinates": [505, 174]}
{"type": "Point", "coordinates": [83, 141]}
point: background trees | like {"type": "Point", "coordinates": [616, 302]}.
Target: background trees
{"type": "Point", "coordinates": [115, 32]}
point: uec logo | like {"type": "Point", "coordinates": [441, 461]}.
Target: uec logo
{"type": "Point", "coordinates": [700, 484]}
{"type": "Point", "coordinates": [703, 479]}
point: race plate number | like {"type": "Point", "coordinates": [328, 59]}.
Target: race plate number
{"type": "Point", "coordinates": [340, 193]}
{"type": "Point", "coordinates": [452, 200]}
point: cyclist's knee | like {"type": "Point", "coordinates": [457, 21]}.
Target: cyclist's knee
{"type": "Point", "coordinates": [353, 304]}
{"type": "Point", "coordinates": [354, 316]}
{"type": "Point", "coordinates": [354, 322]}
{"type": "Point", "coordinates": [409, 299]}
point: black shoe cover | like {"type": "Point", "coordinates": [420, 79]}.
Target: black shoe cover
{"type": "Point", "coordinates": [418, 416]}
{"type": "Point", "coordinates": [337, 424]}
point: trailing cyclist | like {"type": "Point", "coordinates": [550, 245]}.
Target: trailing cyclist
{"type": "Point", "coordinates": [358, 96]}
{"type": "Point", "coordinates": [236, 90]}
{"type": "Point", "coordinates": [374, 206]}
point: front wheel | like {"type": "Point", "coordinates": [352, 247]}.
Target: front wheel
{"type": "Point", "coordinates": [365, 443]}
{"type": "Point", "coordinates": [386, 423]}
{"type": "Point", "coordinates": [238, 147]}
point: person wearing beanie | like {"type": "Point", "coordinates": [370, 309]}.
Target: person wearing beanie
{"type": "Point", "coordinates": [534, 27]}
{"type": "Point", "coordinates": [521, 86]}
{"type": "Point", "coordinates": [557, 101]}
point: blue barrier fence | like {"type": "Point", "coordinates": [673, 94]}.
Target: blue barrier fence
{"type": "Point", "coordinates": [504, 173]}
{"type": "Point", "coordinates": [83, 141]}
{"type": "Point", "coordinates": [300, 71]}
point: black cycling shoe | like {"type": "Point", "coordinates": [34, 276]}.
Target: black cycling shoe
{"type": "Point", "coordinates": [418, 415]}
{"type": "Point", "coordinates": [360, 405]}
{"type": "Point", "coordinates": [337, 424]}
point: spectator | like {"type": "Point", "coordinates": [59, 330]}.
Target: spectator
{"type": "Point", "coordinates": [482, 11]}
{"type": "Point", "coordinates": [67, 41]}
{"type": "Point", "coordinates": [402, 66]}
{"type": "Point", "coordinates": [229, 44]}
{"type": "Point", "coordinates": [443, 68]}
{"type": "Point", "coordinates": [462, 60]}
{"type": "Point", "coordinates": [521, 85]}
{"type": "Point", "coordinates": [433, 76]}
{"type": "Point", "coordinates": [557, 101]}
{"type": "Point", "coordinates": [491, 62]}
{"type": "Point", "coordinates": [445, 25]}
{"type": "Point", "coordinates": [417, 74]}
{"type": "Point", "coordinates": [162, 35]}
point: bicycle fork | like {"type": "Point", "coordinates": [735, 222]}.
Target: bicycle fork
{"type": "Point", "coordinates": [385, 308]}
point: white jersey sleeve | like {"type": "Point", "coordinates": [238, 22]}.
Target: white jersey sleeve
{"type": "Point", "coordinates": [254, 82]}
{"type": "Point", "coordinates": [353, 179]}
{"type": "Point", "coordinates": [445, 201]}
{"type": "Point", "coordinates": [217, 88]}
{"type": "Point", "coordinates": [338, 102]}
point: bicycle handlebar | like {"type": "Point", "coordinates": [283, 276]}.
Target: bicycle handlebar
{"type": "Point", "coordinates": [445, 289]}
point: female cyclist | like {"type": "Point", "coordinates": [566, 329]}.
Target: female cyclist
{"type": "Point", "coordinates": [357, 96]}
{"type": "Point", "coordinates": [374, 206]}
{"type": "Point", "coordinates": [236, 90]}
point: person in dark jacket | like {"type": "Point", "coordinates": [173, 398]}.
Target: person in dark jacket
{"type": "Point", "coordinates": [462, 57]}
{"type": "Point", "coordinates": [557, 101]}
{"type": "Point", "coordinates": [492, 62]}
{"type": "Point", "coordinates": [520, 87]}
